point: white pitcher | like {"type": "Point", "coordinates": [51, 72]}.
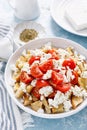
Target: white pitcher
{"type": "Point", "coordinates": [25, 9]}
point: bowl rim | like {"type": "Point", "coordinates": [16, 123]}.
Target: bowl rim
{"type": "Point", "coordinates": [30, 111]}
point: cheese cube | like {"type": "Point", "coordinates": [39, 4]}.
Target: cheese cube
{"type": "Point", "coordinates": [76, 14]}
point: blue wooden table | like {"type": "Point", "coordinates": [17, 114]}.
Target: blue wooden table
{"type": "Point", "coordinates": [77, 121]}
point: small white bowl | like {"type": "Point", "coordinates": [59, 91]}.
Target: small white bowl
{"type": "Point", "coordinates": [27, 25]}
{"type": "Point", "coordinates": [57, 42]}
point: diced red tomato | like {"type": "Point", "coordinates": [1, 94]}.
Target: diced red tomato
{"type": "Point", "coordinates": [57, 78]}
{"type": "Point", "coordinates": [35, 92]}
{"type": "Point", "coordinates": [56, 70]}
{"type": "Point", "coordinates": [63, 87]}
{"type": "Point", "coordinates": [70, 63]}
{"type": "Point", "coordinates": [25, 78]}
{"type": "Point", "coordinates": [54, 54]}
{"type": "Point", "coordinates": [75, 80]}
{"type": "Point", "coordinates": [41, 83]}
{"type": "Point", "coordinates": [51, 83]}
{"type": "Point", "coordinates": [47, 65]}
{"type": "Point", "coordinates": [36, 72]}
{"type": "Point", "coordinates": [33, 58]}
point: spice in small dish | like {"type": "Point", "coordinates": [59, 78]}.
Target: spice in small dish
{"type": "Point", "coordinates": [28, 34]}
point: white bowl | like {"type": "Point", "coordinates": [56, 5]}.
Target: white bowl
{"type": "Point", "coordinates": [57, 42]}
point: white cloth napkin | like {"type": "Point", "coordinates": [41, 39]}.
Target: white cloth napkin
{"type": "Point", "coordinates": [6, 47]}
{"type": "Point", "coordinates": [10, 118]}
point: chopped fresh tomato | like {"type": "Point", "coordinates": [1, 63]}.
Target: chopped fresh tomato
{"type": "Point", "coordinates": [75, 80]}
{"type": "Point", "coordinates": [56, 70]}
{"type": "Point", "coordinates": [63, 87]}
{"type": "Point", "coordinates": [47, 65]}
{"type": "Point", "coordinates": [54, 54]}
{"type": "Point", "coordinates": [33, 58]}
{"type": "Point", "coordinates": [70, 63]}
{"type": "Point", "coordinates": [36, 72]}
{"type": "Point", "coordinates": [41, 83]}
{"type": "Point", "coordinates": [35, 92]}
{"type": "Point", "coordinates": [25, 78]}
{"type": "Point", "coordinates": [57, 78]}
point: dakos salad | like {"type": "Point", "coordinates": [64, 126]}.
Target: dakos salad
{"type": "Point", "coordinates": [50, 80]}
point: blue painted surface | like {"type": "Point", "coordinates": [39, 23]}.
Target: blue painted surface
{"type": "Point", "coordinates": [77, 121]}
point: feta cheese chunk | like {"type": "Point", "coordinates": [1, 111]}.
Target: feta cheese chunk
{"type": "Point", "coordinates": [67, 105]}
{"type": "Point", "coordinates": [58, 64]}
{"type": "Point", "coordinates": [58, 99]}
{"type": "Point", "coordinates": [45, 57]}
{"type": "Point", "coordinates": [33, 82]}
{"type": "Point", "coordinates": [46, 91]}
{"type": "Point", "coordinates": [69, 74]}
{"type": "Point", "coordinates": [23, 87]}
{"type": "Point", "coordinates": [84, 74]}
{"type": "Point", "coordinates": [77, 15]}
{"type": "Point", "coordinates": [63, 53]}
{"type": "Point", "coordinates": [77, 91]}
{"type": "Point", "coordinates": [81, 57]}
{"type": "Point", "coordinates": [26, 68]}
{"type": "Point", "coordinates": [36, 52]}
{"type": "Point", "coordinates": [47, 75]}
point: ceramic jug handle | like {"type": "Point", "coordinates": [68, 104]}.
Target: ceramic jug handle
{"type": "Point", "coordinates": [12, 3]}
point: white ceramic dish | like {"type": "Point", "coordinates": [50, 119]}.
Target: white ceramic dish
{"type": "Point", "coordinates": [57, 42]}
{"type": "Point", "coordinates": [27, 25]}
{"type": "Point", "coordinates": [58, 11]}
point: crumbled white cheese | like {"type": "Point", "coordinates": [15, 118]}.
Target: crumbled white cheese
{"type": "Point", "coordinates": [14, 68]}
{"type": "Point", "coordinates": [65, 79]}
{"type": "Point", "coordinates": [67, 105]}
{"type": "Point", "coordinates": [24, 53]}
{"type": "Point", "coordinates": [46, 91]}
{"type": "Point", "coordinates": [79, 92]}
{"type": "Point", "coordinates": [40, 110]}
{"type": "Point", "coordinates": [63, 53]}
{"type": "Point", "coordinates": [33, 82]}
{"type": "Point", "coordinates": [68, 94]}
{"type": "Point", "coordinates": [81, 57]}
{"type": "Point", "coordinates": [69, 74]}
{"type": "Point", "coordinates": [23, 87]}
{"type": "Point", "coordinates": [36, 52]}
{"type": "Point", "coordinates": [58, 64]}
{"type": "Point", "coordinates": [84, 74]}
{"type": "Point", "coordinates": [48, 46]}
{"type": "Point", "coordinates": [41, 97]}
{"type": "Point", "coordinates": [47, 75]}
{"type": "Point", "coordinates": [58, 99]}
{"type": "Point", "coordinates": [63, 71]}
{"type": "Point", "coordinates": [45, 57]}
{"type": "Point", "coordinates": [26, 68]}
